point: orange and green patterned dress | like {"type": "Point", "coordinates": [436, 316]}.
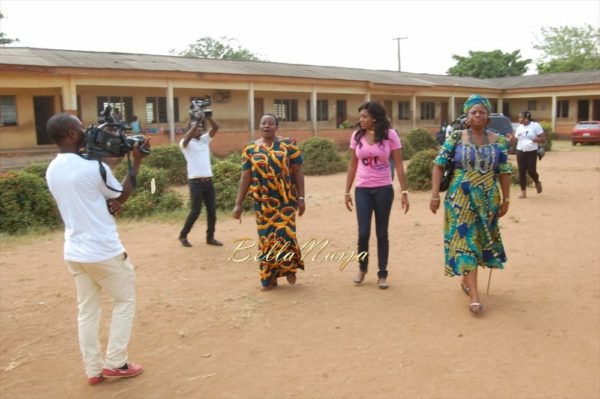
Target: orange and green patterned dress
{"type": "Point", "coordinates": [275, 197]}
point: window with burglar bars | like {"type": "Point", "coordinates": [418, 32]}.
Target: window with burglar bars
{"type": "Point", "coordinates": [322, 110]}
{"type": "Point", "coordinates": [8, 111]}
{"type": "Point", "coordinates": [156, 109]}
{"type": "Point", "coordinates": [562, 109]}
{"type": "Point", "coordinates": [286, 110]}
{"type": "Point", "coordinates": [123, 104]}
{"type": "Point", "coordinates": [427, 110]}
{"type": "Point", "coordinates": [403, 110]}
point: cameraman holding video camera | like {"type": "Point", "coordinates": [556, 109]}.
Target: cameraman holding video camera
{"type": "Point", "coordinates": [195, 146]}
{"type": "Point", "coordinates": [93, 251]}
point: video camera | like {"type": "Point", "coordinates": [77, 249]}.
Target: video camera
{"type": "Point", "coordinates": [200, 108]}
{"type": "Point", "coordinates": [109, 139]}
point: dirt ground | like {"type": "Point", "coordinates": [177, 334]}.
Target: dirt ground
{"type": "Point", "coordinates": [203, 329]}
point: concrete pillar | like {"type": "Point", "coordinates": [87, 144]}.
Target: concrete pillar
{"type": "Point", "coordinates": [452, 109]}
{"type": "Point", "coordinates": [367, 97]}
{"type": "Point", "coordinates": [171, 111]}
{"type": "Point", "coordinates": [69, 97]}
{"type": "Point", "coordinates": [251, 121]}
{"type": "Point", "coordinates": [313, 110]}
{"type": "Point", "coordinates": [500, 105]}
{"type": "Point", "coordinates": [413, 109]}
{"type": "Point", "coordinates": [553, 112]}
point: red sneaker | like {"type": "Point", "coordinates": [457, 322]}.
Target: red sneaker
{"type": "Point", "coordinates": [95, 380]}
{"type": "Point", "coordinates": [131, 370]}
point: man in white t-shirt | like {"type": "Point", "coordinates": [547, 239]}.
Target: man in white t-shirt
{"type": "Point", "coordinates": [93, 251]}
{"type": "Point", "coordinates": [195, 146]}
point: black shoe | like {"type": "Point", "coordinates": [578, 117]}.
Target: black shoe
{"type": "Point", "coordinates": [212, 241]}
{"type": "Point", "coordinates": [185, 242]}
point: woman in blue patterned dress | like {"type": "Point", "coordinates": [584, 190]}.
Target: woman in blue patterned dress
{"type": "Point", "coordinates": [272, 171]}
{"type": "Point", "coordinates": [473, 202]}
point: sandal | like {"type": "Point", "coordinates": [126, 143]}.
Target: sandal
{"type": "Point", "coordinates": [475, 307]}
{"type": "Point", "coordinates": [291, 278]}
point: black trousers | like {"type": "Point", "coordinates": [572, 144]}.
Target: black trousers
{"type": "Point", "coordinates": [201, 191]}
{"type": "Point", "coordinates": [377, 200]}
{"type": "Point", "coordinates": [527, 163]}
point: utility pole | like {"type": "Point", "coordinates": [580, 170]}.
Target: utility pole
{"type": "Point", "coordinates": [399, 63]}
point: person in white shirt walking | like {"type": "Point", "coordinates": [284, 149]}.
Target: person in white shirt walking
{"type": "Point", "coordinates": [93, 251]}
{"type": "Point", "coordinates": [195, 146]}
{"type": "Point", "coordinates": [529, 135]}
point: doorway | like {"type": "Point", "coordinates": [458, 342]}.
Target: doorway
{"type": "Point", "coordinates": [43, 108]}
{"type": "Point", "coordinates": [583, 110]}
{"type": "Point", "coordinates": [444, 112]}
{"type": "Point", "coordinates": [341, 113]}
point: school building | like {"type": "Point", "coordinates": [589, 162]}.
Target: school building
{"type": "Point", "coordinates": [310, 100]}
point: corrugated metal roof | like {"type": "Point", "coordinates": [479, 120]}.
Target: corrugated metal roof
{"type": "Point", "coordinates": [148, 62]}
{"type": "Point", "coordinates": [547, 80]}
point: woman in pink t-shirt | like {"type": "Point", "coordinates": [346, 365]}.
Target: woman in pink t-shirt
{"type": "Point", "coordinates": [371, 147]}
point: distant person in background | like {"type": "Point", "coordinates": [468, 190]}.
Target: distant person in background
{"type": "Point", "coordinates": [116, 115]}
{"type": "Point", "coordinates": [448, 129]}
{"type": "Point", "coordinates": [529, 135]}
{"type": "Point", "coordinates": [135, 125]}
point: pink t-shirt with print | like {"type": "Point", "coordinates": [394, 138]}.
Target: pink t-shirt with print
{"type": "Point", "coordinates": [374, 160]}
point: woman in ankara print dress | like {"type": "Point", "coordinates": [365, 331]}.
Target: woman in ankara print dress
{"type": "Point", "coordinates": [272, 172]}
{"type": "Point", "coordinates": [473, 203]}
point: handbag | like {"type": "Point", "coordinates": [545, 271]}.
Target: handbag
{"type": "Point", "coordinates": [449, 168]}
{"type": "Point", "coordinates": [541, 152]}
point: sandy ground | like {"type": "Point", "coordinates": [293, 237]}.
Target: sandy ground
{"type": "Point", "coordinates": [204, 330]}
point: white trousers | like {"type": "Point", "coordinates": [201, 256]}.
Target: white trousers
{"type": "Point", "coordinates": [117, 277]}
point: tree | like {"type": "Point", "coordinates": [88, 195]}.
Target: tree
{"type": "Point", "coordinates": [225, 48]}
{"type": "Point", "coordinates": [3, 39]}
{"type": "Point", "coordinates": [489, 64]}
{"type": "Point", "coordinates": [568, 49]}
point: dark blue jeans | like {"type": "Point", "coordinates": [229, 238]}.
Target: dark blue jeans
{"type": "Point", "coordinates": [376, 200]}
{"type": "Point", "coordinates": [201, 191]}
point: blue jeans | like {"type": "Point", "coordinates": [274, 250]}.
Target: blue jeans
{"type": "Point", "coordinates": [378, 200]}
{"type": "Point", "coordinates": [201, 191]}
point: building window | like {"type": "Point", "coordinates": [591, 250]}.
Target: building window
{"type": "Point", "coordinates": [322, 110]}
{"type": "Point", "coordinates": [532, 105]}
{"type": "Point", "coordinates": [8, 111]}
{"type": "Point", "coordinates": [156, 109]}
{"type": "Point", "coordinates": [403, 110]}
{"type": "Point", "coordinates": [427, 110]}
{"type": "Point", "coordinates": [123, 104]}
{"type": "Point", "coordinates": [286, 110]}
{"type": "Point", "coordinates": [562, 109]}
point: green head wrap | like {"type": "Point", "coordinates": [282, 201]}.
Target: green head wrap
{"type": "Point", "coordinates": [477, 99]}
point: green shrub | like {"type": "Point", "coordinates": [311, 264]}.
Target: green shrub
{"type": "Point", "coordinates": [321, 157]}
{"type": "Point", "coordinates": [235, 158]}
{"type": "Point", "coordinates": [549, 135]}
{"type": "Point", "coordinates": [145, 176]}
{"type": "Point", "coordinates": [418, 172]}
{"type": "Point", "coordinates": [144, 203]}
{"type": "Point", "coordinates": [514, 176]}
{"type": "Point", "coordinates": [407, 151]}
{"type": "Point", "coordinates": [38, 169]}
{"type": "Point", "coordinates": [169, 201]}
{"type": "Point", "coordinates": [419, 140]}
{"type": "Point", "coordinates": [226, 179]}
{"type": "Point", "coordinates": [171, 159]}
{"type": "Point", "coordinates": [25, 202]}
